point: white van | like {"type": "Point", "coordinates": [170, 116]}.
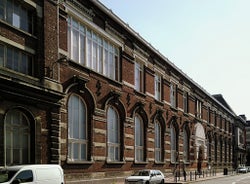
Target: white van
{"type": "Point", "coordinates": [32, 174]}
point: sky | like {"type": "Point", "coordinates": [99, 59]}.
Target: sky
{"type": "Point", "coordinates": [209, 40]}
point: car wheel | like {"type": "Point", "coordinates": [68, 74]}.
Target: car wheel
{"type": "Point", "coordinates": [147, 182]}
{"type": "Point", "coordinates": [162, 182]}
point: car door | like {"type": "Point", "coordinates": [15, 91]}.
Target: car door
{"type": "Point", "coordinates": [153, 177]}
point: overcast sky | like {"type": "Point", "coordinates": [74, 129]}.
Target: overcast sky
{"type": "Point", "coordinates": [209, 40]}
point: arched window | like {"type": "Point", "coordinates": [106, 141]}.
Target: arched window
{"type": "Point", "coordinates": [215, 149]}
{"type": "Point", "coordinates": [113, 127]}
{"type": "Point", "coordinates": [158, 142]}
{"type": "Point", "coordinates": [209, 148]}
{"type": "Point", "coordinates": [173, 143]}
{"type": "Point", "coordinates": [17, 138]}
{"type": "Point", "coordinates": [221, 150]}
{"type": "Point", "coordinates": [77, 129]}
{"type": "Point", "coordinates": [225, 151]}
{"type": "Point", "coordinates": [139, 139]}
{"type": "Point", "coordinates": [186, 144]}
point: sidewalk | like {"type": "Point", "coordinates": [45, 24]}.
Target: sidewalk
{"type": "Point", "coordinates": [180, 180]}
{"type": "Point", "coordinates": [169, 178]}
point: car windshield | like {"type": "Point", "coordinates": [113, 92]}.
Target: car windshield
{"type": "Point", "coordinates": [6, 175]}
{"type": "Point", "coordinates": [141, 173]}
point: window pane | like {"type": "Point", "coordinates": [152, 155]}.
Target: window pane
{"type": "Point", "coordinates": [82, 49]}
{"type": "Point", "coordinates": [24, 64]}
{"type": "Point", "coordinates": [77, 129]}
{"type": "Point", "coordinates": [75, 151]}
{"type": "Point", "coordinates": [18, 138]}
{"type": "Point", "coordinates": [15, 60]}
{"type": "Point", "coordinates": [24, 20]}
{"type": "Point", "coordinates": [113, 135]}
{"type": "Point", "coordinates": [94, 57]}
{"type": "Point", "coordinates": [9, 157]}
{"type": "Point", "coordinates": [9, 12]}
{"type": "Point", "coordinates": [83, 152]}
{"type": "Point", "coordinates": [9, 58]}
{"type": "Point", "coordinates": [2, 10]}
{"type": "Point", "coordinates": [16, 156]}
{"type": "Point", "coordinates": [100, 59]}
{"type": "Point", "coordinates": [75, 24]}
{"type": "Point", "coordinates": [75, 45]}
{"type": "Point", "coordinates": [16, 16]}
{"type": "Point", "coordinates": [139, 138]}
{"type": "Point", "coordinates": [1, 55]}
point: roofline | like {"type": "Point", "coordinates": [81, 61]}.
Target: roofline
{"type": "Point", "coordinates": [134, 33]}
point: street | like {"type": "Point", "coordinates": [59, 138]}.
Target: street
{"type": "Point", "coordinates": [236, 179]}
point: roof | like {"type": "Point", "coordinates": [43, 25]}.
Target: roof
{"type": "Point", "coordinates": [221, 99]}
{"type": "Point", "coordinates": [113, 16]}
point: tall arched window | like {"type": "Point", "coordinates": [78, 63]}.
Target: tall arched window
{"type": "Point", "coordinates": [139, 139]}
{"type": "Point", "coordinates": [209, 148]}
{"type": "Point", "coordinates": [221, 150]}
{"type": "Point", "coordinates": [173, 143]}
{"type": "Point", "coordinates": [17, 138]}
{"type": "Point", "coordinates": [225, 152]}
{"type": "Point", "coordinates": [186, 144]}
{"type": "Point", "coordinates": [158, 142]}
{"type": "Point", "coordinates": [215, 149]}
{"type": "Point", "coordinates": [113, 127]}
{"type": "Point", "coordinates": [77, 129]}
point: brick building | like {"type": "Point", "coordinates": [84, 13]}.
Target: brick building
{"type": "Point", "coordinates": [80, 88]}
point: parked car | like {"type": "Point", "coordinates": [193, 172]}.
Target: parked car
{"type": "Point", "coordinates": [242, 169]}
{"type": "Point", "coordinates": [146, 177]}
{"type": "Point", "coordinates": [40, 173]}
{"type": "Point", "coordinates": [248, 168]}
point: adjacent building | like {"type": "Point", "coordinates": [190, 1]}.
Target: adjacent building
{"type": "Point", "coordinates": [80, 88]}
{"type": "Point", "coordinates": [247, 128]}
{"type": "Point", "coordinates": [240, 141]}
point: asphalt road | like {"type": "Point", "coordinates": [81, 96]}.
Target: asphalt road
{"type": "Point", "coordinates": [235, 179]}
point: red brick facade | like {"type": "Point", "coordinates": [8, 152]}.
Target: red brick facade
{"type": "Point", "coordinates": [44, 99]}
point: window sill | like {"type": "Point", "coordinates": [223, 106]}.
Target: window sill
{"type": "Point", "coordinates": [141, 162]}
{"type": "Point", "coordinates": [79, 162]}
{"type": "Point", "coordinates": [159, 162]}
{"type": "Point", "coordinates": [159, 102]}
{"type": "Point", "coordinates": [140, 93]}
{"type": "Point", "coordinates": [173, 108]}
{"type": "Point", "coordinates": [186, 162]}
{"type": "Point", "coordinates": [18, 29]}
{"type": "Point", "coordinates": [115, 162]}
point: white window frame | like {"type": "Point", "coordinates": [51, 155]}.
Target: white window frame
{"type": "Point", "coordinates": [173, 95]}
{"type": "Point", "coordinates": [173, 140]}
{"type": "Point", "coordinates": [77, 114]}
{"type": "Point", "coordinates": [17, 15]}
{"type": "Point", "coordinates": [139, 82]}
{"type": "Point", "coordinates": [208, 114]}
{"type": "Point", "coordinates": [198, 109]}
{"type": "Point", "coordinates": [93, 50]}
{"type": "Point", "coordinates": [158, 142]}
{"type": "Point", "coordinates": [17, 138]}
{"type": "Point", "coordinates": [157, 86]}
{"type": "Point", "coordinates": [185, 102]}
{"type": "Point", "coordinates": [139, 139]}
{"type": "Point", "coordinates": [185, 144]}
{"type": "Point", "coordinates": [16, 60]}
{"type": "Point", "coordinates": [113, 135]}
